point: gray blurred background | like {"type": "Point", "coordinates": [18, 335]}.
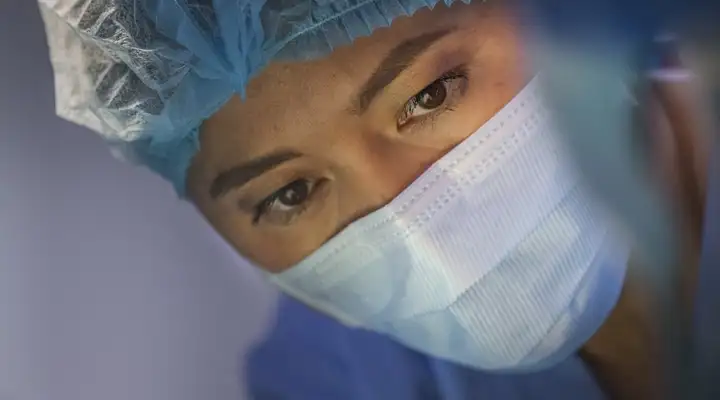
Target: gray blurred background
{"type": "Point", "coordinates": [110, 287]}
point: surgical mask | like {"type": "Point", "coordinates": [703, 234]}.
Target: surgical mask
{"type": "Point", "coordinates": [494, 258]}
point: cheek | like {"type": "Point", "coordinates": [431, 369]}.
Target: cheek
{"type": "Point", "coordinates": [273, 251]}
{"type": "Point", "coordinates": [491, 88]}
{"type": "Point", "coordinates": [276, 248]}
{"type": "Point", "coordinates": [497, 73]}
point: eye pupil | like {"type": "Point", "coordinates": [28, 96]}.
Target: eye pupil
{"type": "Point", "coordinates": [294, 194]}
{"type": "Point", "coordinates": [432, 96]}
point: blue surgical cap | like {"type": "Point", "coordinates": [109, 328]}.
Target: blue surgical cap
{"type": "Point", "coordinates": [145, 73]}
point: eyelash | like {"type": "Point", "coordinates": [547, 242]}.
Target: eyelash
{"type": "Point", "coordinates": [264, 207]}
{"type": "Point", "coordinates": [405, 115]}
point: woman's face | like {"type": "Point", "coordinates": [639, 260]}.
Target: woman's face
{"type": "Point", "coordinates": [317, 145]}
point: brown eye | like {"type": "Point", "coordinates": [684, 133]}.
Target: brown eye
{"type": "Point", "coordinates": [286, 203]}
{"type": "Point", "coordinates": [293, 194]}
{"type": "Point", "coordinates": [432, 96]}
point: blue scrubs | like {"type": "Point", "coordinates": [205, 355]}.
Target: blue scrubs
{"type": "Point", "coordinates": [308, 356]}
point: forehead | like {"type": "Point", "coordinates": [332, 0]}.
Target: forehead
{"type": "Point", "coordinates": [286, 103]}
{"type": "Point", "coordinates": [289, 102]}
{"type": "Point", "coordinates": [345, 65]}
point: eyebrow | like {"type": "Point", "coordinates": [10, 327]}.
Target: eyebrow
{"type": "Point", "coordinates": [241, 174]}
{"type": "Point", "coordinates": [398, 60]}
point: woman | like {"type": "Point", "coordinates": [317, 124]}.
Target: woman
{"type": "Point", "coordinates": [404, 178]}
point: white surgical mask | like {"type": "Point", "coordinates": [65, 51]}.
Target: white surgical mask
{"type": "Point", "coordinates": [494, 258]}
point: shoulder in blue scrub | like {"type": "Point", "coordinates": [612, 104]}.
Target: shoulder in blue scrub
{"type": "Point", "coordinates": [308, 356]}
